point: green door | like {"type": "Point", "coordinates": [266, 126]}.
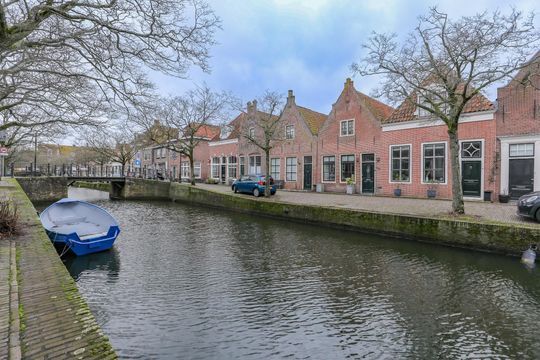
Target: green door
{"type": "Point", "coordinates": [368, 173]}
{"type": "Point", "coordinates": [308, 173]}
{"type": "Point", "coordinates": [471, 178]}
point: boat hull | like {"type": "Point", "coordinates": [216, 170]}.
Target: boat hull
{"type": "Point", "coordinates": [79, 247]}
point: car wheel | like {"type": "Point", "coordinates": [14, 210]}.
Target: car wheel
{"type": "Point", "coordinates": [235, 189]}
{"type": "Point", "coordinates": [256, 192]}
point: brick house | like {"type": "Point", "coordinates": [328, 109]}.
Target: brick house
{"type": "Point", "coordinates": [348, 142]}
{"type": "Point", "coordinates": [518, 131]}
{"type": "Point", "coordinates": [179, 164]}
{"type": "Point", "coordinates": [293, 159]}
{"type": "Point", "coordinates": [415, 154]}
{"type": "Point", "coordinates": [222, 161]}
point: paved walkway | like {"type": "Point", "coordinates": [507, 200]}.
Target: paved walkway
{"type": "Point", "coordinates": [478, 210]}
{"type": "Point", "coordinates": [54, 320]}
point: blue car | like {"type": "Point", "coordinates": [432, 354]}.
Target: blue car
{"type": "Point", "coordinates": [253, 184]}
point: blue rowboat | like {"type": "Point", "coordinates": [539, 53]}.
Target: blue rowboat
{"type": "Point", "coordinates": [79, 226]}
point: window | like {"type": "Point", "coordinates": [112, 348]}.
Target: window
{"type": "Point", "coordinates": [251, 132]}
{"type": "Point", "coordinates": [289, 132]}
{"type": "Point", "coordinates": [215, 167]}
{"type": "Point", "coordinates": [347, 127]}
{"type": "Point", "coordinates": [291, 169]}
{"type": "Point", "coordinates": [242, 166]}
{"type": "Point", "coordinates": [255, 165]}
{"type": "Point", "coordinates": [400, 163]}
{"type": "Point", "coordinates": [232, 167]}
{"type": "Point", "coordinates": [184, 170]}
{"type": "Point", "coordinates": [436, 96]}
{"type": "Point", "coordinates": [434, 163]}
{"type": "Point", "coordinates": [329, 168]}
{"type": "Point", "coordinates": [197, 169]}
{"type": "Point", "coordinates": [521, 150]}
{"type": "Point", "coordinates": [347, 167]}
{"type": "Point", "coordinates": [471, 150]}
{"type": "Point", "coordinates": [274, 168]}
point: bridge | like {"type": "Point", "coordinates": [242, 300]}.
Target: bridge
{"type": "Point", "coordinates": [42, 188]}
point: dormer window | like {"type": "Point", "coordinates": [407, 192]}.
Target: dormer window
{"type": "Point", "coordinates": [225, 132]}
{"type": "Point", "coordinates": [347, 127]}
{"type": "Point", "coordinates": [436, 95]}
{"type": "Point", "coordinates": [289, 132]}
{"type": "Point", "coordinates": [251, 132]}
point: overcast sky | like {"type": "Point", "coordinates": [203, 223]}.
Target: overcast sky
{"type": "Point", "coordinates": [307, 45]}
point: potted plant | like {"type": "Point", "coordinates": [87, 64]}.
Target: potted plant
{"type": "Point", "coordinates": [432, 189]}
{"type": "Point", "coordinates": [397, 191]}
{"type": "Point", "coordinates": [504, 197]}
{"type": "Point", "coordinates": [350, 184]}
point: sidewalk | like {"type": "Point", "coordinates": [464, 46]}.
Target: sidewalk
{"type": "Point", "coordinates": [479, 210]}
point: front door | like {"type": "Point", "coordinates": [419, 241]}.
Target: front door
{"type": "Point", "coordinates": [308, 173]}
{"type": "Point", "coordinates": [223, 169]}
{"type": "Point", "coordinates": [368, 173]}
{"type": "Point", "coordinates": [521, 177]}
{"type": "Point", "coordinates": [471, 178]}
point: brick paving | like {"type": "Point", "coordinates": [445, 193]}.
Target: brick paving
{"type": "Point", "coordinates": [4, 298]}
{"type": "Point", "coordinates": [478, 210]}
{"type": "Point", "coordinates": [55, 321]}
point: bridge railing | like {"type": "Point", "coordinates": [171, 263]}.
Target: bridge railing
{"type": "Point", "coordinates": [89, 171]}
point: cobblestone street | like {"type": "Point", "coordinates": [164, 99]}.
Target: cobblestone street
{"type": "Point", "coordinates": [408, 206]}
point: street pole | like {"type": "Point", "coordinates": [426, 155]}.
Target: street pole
{"type": "Point", "coordinates": [35, 155]}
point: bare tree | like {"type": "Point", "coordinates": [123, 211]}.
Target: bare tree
{"type": "Point", "coordinates": [191, 119]}
{"type": "Point", "coordinates": [115, 144]}
{"type": "Point", "coordinates": [66, 60]}
{"type": "Point", "coordinates": [263, 127]}
{"type": "Point", "coordinates": [444, 63]}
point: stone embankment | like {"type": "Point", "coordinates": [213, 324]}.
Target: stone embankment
{"type": "Point", "coordinates": [509, 238]}
{"type": "Point", "coordinates": [45, 314]}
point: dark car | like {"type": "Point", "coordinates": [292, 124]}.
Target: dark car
{"type": "Point", "coordinates": [253, 184]}
{"type": "Point", "coordinates": [529, 206]}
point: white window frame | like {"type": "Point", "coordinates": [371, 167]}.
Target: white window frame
{"type": "Point", "coordinates": [184, 170]}
{"type": "Point", "coordinates": [342, 181]}
{"type": "Point", "coordinates": [255, 172]}
{"type": "Point", "coordinates": [289, 132]}
{"type": "Point", "coordinates": [215, 166]}
{"type": "Point", "coordinates": [349, 133]}
{"type": "Point", "coordinates": [197, 167]}
{"type": "Point", "coordinates": [295, 163]}
{"type": "Point", "coordinates": [520, 156]}
{"type": "Point", "coordinates": [322, 170]}
{"type": "Point", "coordinates": [422, 113]}
{"type": "Point", "coordinates": [422, 165]}
{"type": "Point", "coordinates": [273, 166]}
{"type": "Point", "coordinates": [481, 159]}
{"type": "Point", "coordinates": [390, 164]}
{"type": "Point", "coordinates": [232, 166]}
{"type": "Point", "coordinates": [251, 132]}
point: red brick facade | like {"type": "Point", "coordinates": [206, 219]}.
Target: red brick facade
{"type": "Point", "coordinates": [383, 149]}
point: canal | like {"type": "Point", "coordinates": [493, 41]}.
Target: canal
{"type": "Point", "coordinates": [197, 283]}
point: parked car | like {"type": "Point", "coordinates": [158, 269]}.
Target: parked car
{"type": "Point", "coordinates": [529, 206]}
{"type": "Point", "coordinates": [253, 184]}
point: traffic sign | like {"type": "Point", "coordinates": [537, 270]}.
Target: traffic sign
{"type": "Point", "coordinates": [137, 162]}
{"type": "Point", "coordinates": [4, 151]}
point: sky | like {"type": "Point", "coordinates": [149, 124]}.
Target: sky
{"type": "Point", "coordinates": [307, 46]}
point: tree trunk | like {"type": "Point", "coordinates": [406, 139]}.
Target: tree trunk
{"type": "Point", "coordinates": [267, 176]}
{"type": "Point", "coordinates": [457, 191]}
{"type": "Point", "coordinates": [192, 168]}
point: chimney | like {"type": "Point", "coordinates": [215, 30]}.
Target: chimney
{"type": "Point", "coordinates": [348, 83]}
{"type": "Point", "coordinates": [290, 98]}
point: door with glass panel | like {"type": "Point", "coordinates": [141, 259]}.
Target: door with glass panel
{"type": "Point", "coordinates": [471, 168]}
{"type": "Point", "coordinates": [368, 173]}
{"type": "Point", "coordinates": [521, 170]}
{"type": "Point", "coordinates": [308, 173]}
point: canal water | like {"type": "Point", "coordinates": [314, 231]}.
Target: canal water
{"type": "Point", "coordinates": [185, 282]}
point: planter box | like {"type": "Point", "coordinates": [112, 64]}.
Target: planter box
{"type": "Point", "coordinates": [397, 192]}
{"type": "Point", "coordinates": [350, 189]}
{"type": "Point", "coordinates": [431, 193]}
{"type": "Point", "coordinates": [504, 198]}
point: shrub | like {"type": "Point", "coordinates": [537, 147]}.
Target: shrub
{"type": "Point", "coordinates": [9, 217]}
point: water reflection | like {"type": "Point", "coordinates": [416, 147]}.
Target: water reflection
{"type": "Point", "coordinates": [107, 262]}
{"type": "Point", "coordinates": [198, 284]}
